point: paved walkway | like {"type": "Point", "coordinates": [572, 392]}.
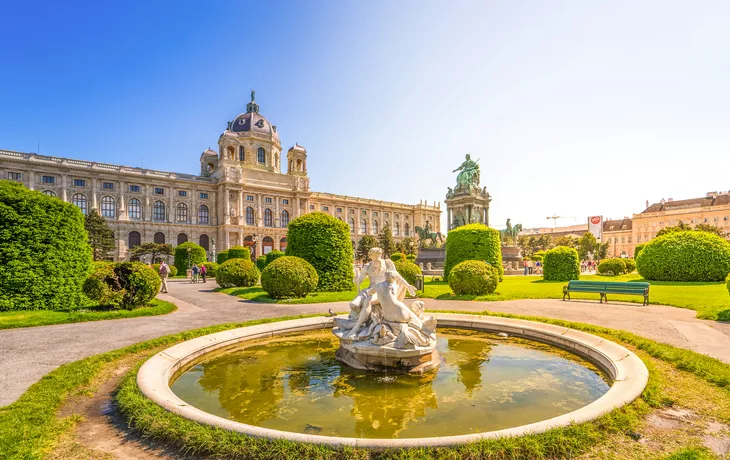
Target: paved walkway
{"type": "Point", "coordinates": [28, 354]}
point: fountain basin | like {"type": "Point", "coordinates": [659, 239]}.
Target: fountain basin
{"type": "Point", "coordinates": [626, 371]}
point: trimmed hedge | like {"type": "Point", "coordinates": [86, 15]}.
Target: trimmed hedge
{"type": "Point", "coordinates": [685, 256]}
{"type": "Point", "coordinates": [408, 270]}
{"type": "Point", "coordinates": [237, 273]}
{"type": "Point", "coordinates": [561, 264]}
{"type": "Point", "coordinates": [473, 277]}
{"type": "Point", "coordinates": [211, 268]}
{"type": "Point", "coordinates": [324, 242]}
{"type": "Point", "coordinates": [638, 249]}
{"type": "Point", "coordinates": [197, 256]}
{"type": "Point", "coordinates": [473, 242]}
{"type": "Point", "coordinates": [411, 257]}
{"type": "Point", "coordinates": [261, 263]}
{"type": "Point", "coordinates": [289, 276]}
{"type": "Point", "coordinates": [273, 255]}
{"type": "Point", "coordinates": [630, 265]}
{"type": "Point", "coordinates": [126, 284]}
{"type": "Point", "coordinates": [396, 256]}
{"type": "Point", "coordinates": [238, 252]}
{"type": "Point", "coordinates": [221, 256]}
{"type": "Point", "coordinates": [44, 251]}
{"type": "Point", "coordinates": [612, 267]}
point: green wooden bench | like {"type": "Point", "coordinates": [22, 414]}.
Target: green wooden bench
{"type": "Point", "coordinates": [603, 288]}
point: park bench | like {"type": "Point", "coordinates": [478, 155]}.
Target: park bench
{"type": "Point", "coordinates": [603, 288]}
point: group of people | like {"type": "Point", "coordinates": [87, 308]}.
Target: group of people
{"type": "Point", "coordinates": [588, 266]}
{"type": "Point", "coordinates": [196, 273]}
{"type": "Point", "coordinates": [533, 267]}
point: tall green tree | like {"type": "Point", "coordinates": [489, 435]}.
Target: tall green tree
{"type": "Point", "coordinates": [155, 250]}
{"type": "Point", "coordinates": [386, 242]}
{"type": "Point", "coordinates": [544, 243]}
{"type": "Point", "coordinates": [588, 244]}
{"type": "Point", "coordinates": [366, 243]}
{"type": "Point", "coordinates": [709, 228]}
{"type": "Point", "coordinates": [409, 245]}
{"type": "Point", "coordinates": [680, 227]}
{"type": "Point", "coordinates": [569, 241]}
{"type": "Point", "coordinates": [101, 236]}
{"type": "Point", "coordinates": [603, 250]}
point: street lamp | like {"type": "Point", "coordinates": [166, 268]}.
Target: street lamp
{"type": "Point", "coordinates": [189, 257]}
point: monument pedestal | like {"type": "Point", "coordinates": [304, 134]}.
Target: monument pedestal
{"type": "Point", "coordinates": [368, 357]}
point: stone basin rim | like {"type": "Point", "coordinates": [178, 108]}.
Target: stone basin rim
{"type": "Point", "coordinates": [626, 370]}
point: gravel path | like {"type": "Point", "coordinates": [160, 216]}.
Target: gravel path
{"type": "Point", "coordinates": [27, 354]}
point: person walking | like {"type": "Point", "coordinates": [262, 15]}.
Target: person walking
{"type": "Point", "coordinates": [525, 265]}
{"type": "Point", "coordinates": [196, 271]}
{"type": "Point", "coordinates": [164, 271]}
{"type": "Point", "coordinates": [202, 272]}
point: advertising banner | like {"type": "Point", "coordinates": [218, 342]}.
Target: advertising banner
{"type": "Point", "coordinates": [595, 226]}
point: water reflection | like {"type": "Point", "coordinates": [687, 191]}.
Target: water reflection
{"type": "Point", "coordinates": [296, 384]}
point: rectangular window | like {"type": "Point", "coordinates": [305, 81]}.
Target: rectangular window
{"type": "Point", "coordinates": [159, 191]}
{"type": "Point", "coordinates": [339, 209]}
{"type": "Point", "coordinates": [182, 193]}
{"type": "Point", "coordinates": [715, 219]}
{"type": "Point", "coordinates": [203, 196]}
{"type": "Point", "coordinates": [325, 208]}
{"type": "Point", "coordinates": [48, 180]}
{"type": "Point", "coordinates": [15, 176]}
{"type": "Point", "coordinates": [268, 200]}
{"type": "Point", "coordinates": [364, 212]}
{"type": "Point", "coordinates": [375, 213]}
{"type": "Point", "coordinates": [107, 185]}
{"type": "Point", "coordinates": [134, 188]}
{"type": "Point", "coordinates": [250, 198]}
{"type": "Point", "coordinates": [311, 207]}
{"type": "Point", "coordinates": [385, 214]}
{"type": "Point", "coordinates": [79, 183]}
{"type": "Point", "coordinates": [284, 201]}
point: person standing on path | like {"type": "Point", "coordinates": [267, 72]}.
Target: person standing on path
{"type": "Point", "coordinates": [164, 271]}
{"type": "Point", "coordinates": [203, 271]}
{"type": "Point", "coordinates": [196, 271]}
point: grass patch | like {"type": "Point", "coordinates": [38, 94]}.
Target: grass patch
{"type": "Point", "coordinates": [709, 300]}
{"type": "Point", "coordinates": [31, 318]}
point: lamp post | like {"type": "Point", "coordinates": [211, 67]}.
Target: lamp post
{"type": "Point", "coordinates": [189, 258]}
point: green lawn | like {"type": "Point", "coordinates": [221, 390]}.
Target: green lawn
{"type": "Point", "coordinates": [30, 318]}
{"type": "Point", "coordinates": [709, 300]}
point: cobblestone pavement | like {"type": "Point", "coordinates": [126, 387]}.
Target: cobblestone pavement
{"type": "Point", "coordinates": [27, 354]}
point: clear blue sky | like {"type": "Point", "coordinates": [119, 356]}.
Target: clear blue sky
{"type": "Point", "coordinates": [575, 108]}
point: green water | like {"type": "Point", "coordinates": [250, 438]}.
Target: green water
{"type": "Point", "coordinates": [484, 383]}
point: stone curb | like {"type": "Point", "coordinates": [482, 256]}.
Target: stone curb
{"type": "Point", "coordinates": [626, 370]}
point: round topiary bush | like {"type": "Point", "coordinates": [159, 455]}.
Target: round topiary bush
{"type": "Point", "coordinates": [222, 257]}
{"type": "Point", "coordinates": [237, 273]}
{"type": "Point", "coordinates": [273, 255]}
{"type": "Point", "coordinates": [612, 267]}
{"type": "Point", "coordinates": [211, 268]}
{"type": "Point", "coordinates": [473, 277]}
{"type": "Point", "coordinates": [289, 276]}
{"type": "Point", "coordinates": [473, 242]}
{"type": "Point", "coordinates": [408, 270]}
{"type": "Point", "coordinates": [324, 242]}
{"type": "Point", "coordinates": [197, 256]}
{"type": "Point", "coordinates": [261, 263]}
{"type": "Point", "coordinates": [685, 256]}
{"type": "Point", "coordinates": [561, 264]}
{"type": "Point", "coordinates": [126, 284]}
{"type": "Point", "coordinates": [238, 252]}
{"type": "Point", "coordinates": [173, 270]}
{"type": "Point", "coordinates": [630, 265]}
{"type": "Point", "coordinates": [44, 251]}
{"type": "Point", "coordinates": [638, 249]}
{"type": "Point", "coordinates": [396, 256]}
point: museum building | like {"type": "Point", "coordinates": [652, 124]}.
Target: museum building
{"type": "Point", "coordinates": [241, 197]}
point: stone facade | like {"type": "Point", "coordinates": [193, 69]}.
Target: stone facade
{"type": "Point", "coordinates": [241, 197]}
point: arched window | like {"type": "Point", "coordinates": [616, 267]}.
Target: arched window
{"type": "Point", "coordinates": [135, 239]}
{"type": "Point", "coordinates": [134, 210]}
{"type": "Point", "coordinates": [262, 155]}
{"type": "Point", "coordinates": [204, 242]}
{"type": "Point", "coordinates": [203, 214]}
{"type": "Point", "coordinates": [158, 211]}
{"type": "Point", "coordinates": [396, 229]}
{"type": "Point", "coordinates": [364, 227]}
{"type": "Point", "coordinates": [182, 238]}
{"type": "Point", "coordinates": [159, 238]}
{"type": "Point", "coordinates": [375, 227]}
{"type": "Point", "coordinates": [267, 245]}
{"type": "Point", "coordinates": [282, 244]}
{"type": "Point", "coordinates": [284, 218]}
{"type": "Point", "coordinates": [108, 207]}
{"type": "Point", "coordinates": [352, 225]}
{"type": "Point", "coordinates": [49, 192]}
{"type": "Point", "coordinates": [241, 154]}
{"type": "Point", "coordinates": [268, 218]}
{"type": "Point", "coordinates": [250, 216]}
{"type": "Point", "coordinates": [406, 229]}
{"type": "Point", "coordinates": [181, 213]}
{"type": "Point", "coordinates": [80, 200]}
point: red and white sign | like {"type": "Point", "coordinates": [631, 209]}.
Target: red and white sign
{"type": "Point", "coordinates": [595, 226]}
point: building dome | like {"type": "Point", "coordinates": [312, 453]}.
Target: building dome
{"type": "Point", "coordinates": [208, 153]}
{"type": "Point", "coordinates": [298, 148]}
{"type": "Point", "coordinates": [253, 121]}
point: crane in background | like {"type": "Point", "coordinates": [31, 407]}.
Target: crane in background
{"type": "Point", "coordinates": [555, 219]}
